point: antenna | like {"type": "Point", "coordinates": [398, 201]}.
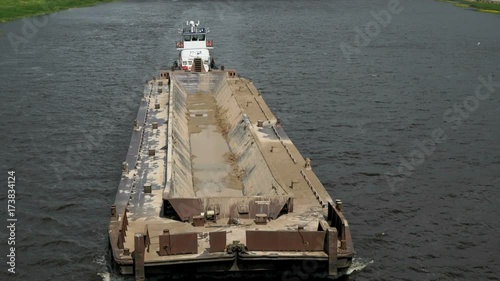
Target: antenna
{"type": "Point", "coordinates": [192, 26]}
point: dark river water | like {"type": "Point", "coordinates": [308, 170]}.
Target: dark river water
{"type": "Point", "coordinates": [392, 102]}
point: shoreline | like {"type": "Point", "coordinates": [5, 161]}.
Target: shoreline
{"type": "Point", "coordinates": [11, 10]}
{"type": "Point", "coordinates": [485, 6]}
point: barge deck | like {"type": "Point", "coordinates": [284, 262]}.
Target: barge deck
{"type": "Point", "coordinates": [211, 183]}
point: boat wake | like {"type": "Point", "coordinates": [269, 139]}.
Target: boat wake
{"type": "Point", "coordinates": [106, 272]}
{"type": "Point", "coordinates": [357, 265]}
{"type": "Point", "coordinates": [108, 276]}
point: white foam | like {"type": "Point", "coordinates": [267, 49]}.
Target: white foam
{"type": "Point", "coordinates": [106, 276]}
{"type": "Point", "coordinates": [358, 264]}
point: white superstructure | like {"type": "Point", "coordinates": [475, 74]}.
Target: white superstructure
{"type": "Point", "coordinates": [194, 45]}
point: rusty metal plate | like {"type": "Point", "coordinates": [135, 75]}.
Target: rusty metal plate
{"type": "Point", "coordinates": [186, 208]}
{"type": "Point", "coordinates": [175, 244]}
{"type": "Point", "coordinates": [198, 221]}
{"type": "Point", "coordinates": [285, 240]}
{"type": "Point", "coordinates": [217, 241]}
{"type": "Point", "coordinates": [330, 211]}
{"type": "Point", "coordinates": [267, 205]}
{"type": "Point", "coordinates": [331, 249]}
{"type": "Point", "coordinates": [121, 239]}
{"type": "Point", "coordinates": [139, 256]}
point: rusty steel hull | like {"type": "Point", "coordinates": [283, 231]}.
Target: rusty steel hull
{"type": "Point", "coordinates": [213, 186]}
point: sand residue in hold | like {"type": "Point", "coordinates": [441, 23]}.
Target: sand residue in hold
{"type": "Point", "coordinates": [221, 118]}
{"type": "Point", "coordinates": [233, 179]}
{"type": "Point", "coordinates": [232, 159]}
{"type": "Point", "coordinates": [201, 111]}
{"type": "Point", "coordinates": [215, 168]}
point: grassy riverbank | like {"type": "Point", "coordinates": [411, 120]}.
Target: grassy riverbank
{"type": "Point", "coordinates": [15, 9]}
{"type": "Point", "coordinates": [481, 6]}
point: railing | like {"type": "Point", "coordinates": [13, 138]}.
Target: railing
{"type": "Point", "coordinates": [337, 220]}
{"type": "Point", "coordinates": [315, 192]}
{"type": "Point", "coordinates": [122, 232]}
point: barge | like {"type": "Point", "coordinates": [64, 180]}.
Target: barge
{"type": "Point", "coordinates": [213, 186]}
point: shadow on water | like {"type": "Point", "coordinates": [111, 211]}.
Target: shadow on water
{"type": "Point", "coordinates": [294, 274]}
{"type": "Point", "coordinates": [224, 276]}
